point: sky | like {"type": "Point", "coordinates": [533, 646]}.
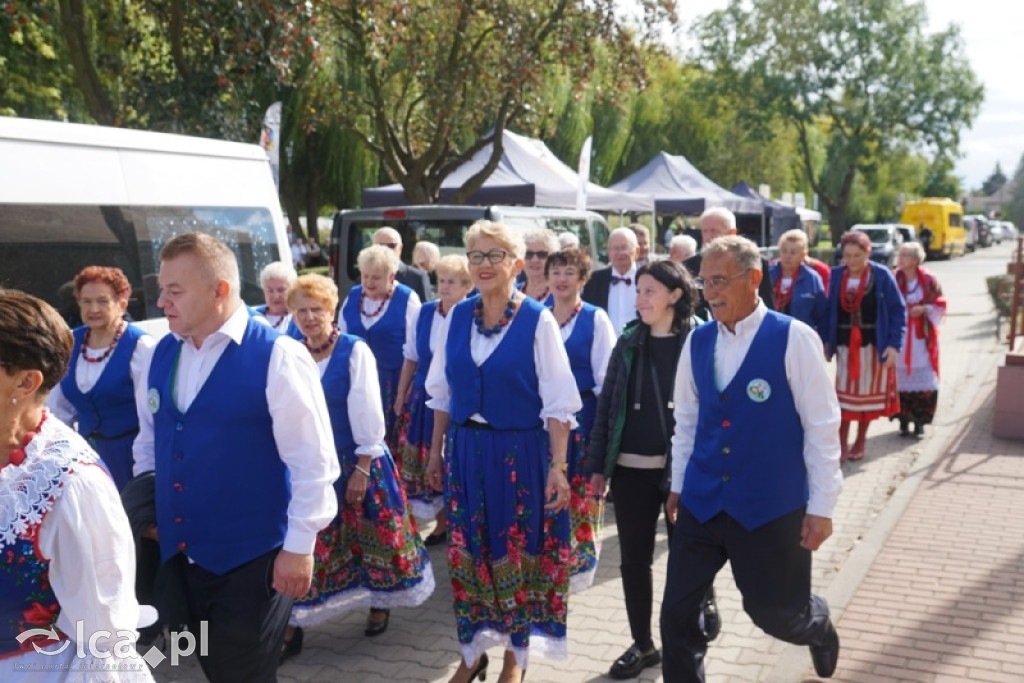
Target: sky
{"type": "Point", "coordinates": [992, 31]}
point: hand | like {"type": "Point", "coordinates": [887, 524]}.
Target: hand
{"type": "Point", "coordinates": [598, 485]}
{"type": "Point", "coordinates": [814, 531]}
{"type": "Point", "coordinates": [557, 490]}
{"type": "Point", "coordinates": [399, 406]}
{"type": "Point", "coordinates": [293, 573]}
{"type": "Point", "coordinates": [917, 311]}
{"type": "Point", "coordinates": [434, 472]}
{"type": "Point", "coordinates": [151, 533]}
{"type": "Point", "coordinates": [828, 353]}
{"type": "Point", "coordinates": [672, 508]}
{"type": "Point", "coordinates": [355, 492]}
{"type": "Point", "coordinates": [890, 355]}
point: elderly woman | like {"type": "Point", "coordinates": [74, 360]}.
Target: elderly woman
{"type": "Point", "coordinates": [453, 284]}
{"type": "Point", "coordinates": [866, 321]}
{"type": "Point", "coordinates": [108, 361]}
{"type": "Point", "coordinates": [588, 337]}
{"type": "Point", "coordinates": [681, 247]}
{"type": "Point", "coordinates": [370, 555]}
{"type": "Point", "coordinates": [540, 243]}
{"type": "Point", "coordinates": [632, 435]}
{"type": "Point", "coordinates": [68, 556]}
{"type": "Point", "coordinates": [384, 313]}
{"type": "Point", "coordinates": [503, 383]}
{"type": "Point", "coordinates": [799, 291]}
{"type": "Point", "coordinates": [425, 256]}
{"type": "Point", "coordinates": [275, 278]}
{"type": "Point", "coordinates": [917, 370]}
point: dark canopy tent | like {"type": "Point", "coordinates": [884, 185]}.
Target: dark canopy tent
{"type": "Point", "coordinates": [781, 217]}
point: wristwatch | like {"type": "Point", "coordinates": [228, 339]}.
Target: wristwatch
{"type": "Point", "coordinates": [563, 467]}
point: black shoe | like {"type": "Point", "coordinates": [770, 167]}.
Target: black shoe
{"type": "Point", "coordinates": [633, 661]}
{"type": "Point", "coordinates": [480, 670]}
{"type": "Point", "coordinates": [918, 430]}
{"type": "Point", "coordinates": [375, 628]}
{"type": "Point", "coordinates": [292, 646]}
{"type": "Point", "coordinates": [826, 656]}
{"type": "Point", "coordinates": [712, 622]}
{"type": "Point", "coordinates": [436, 538]}
{"type": "Point", "coordinates": [904, 427]}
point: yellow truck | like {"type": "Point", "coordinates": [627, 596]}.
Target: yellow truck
{"type": "Point", "coordinates": [940, 225]}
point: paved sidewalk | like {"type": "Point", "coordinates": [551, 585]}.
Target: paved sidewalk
{"type": "Point", "coordinates": [896, 571]}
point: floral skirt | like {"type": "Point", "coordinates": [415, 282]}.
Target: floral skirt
{"type": "Point", "coordinates": [508, 557]}
{"type": "Point", "coordinates": [394, 425]}
{"type": "Point", "coordinates": [918, 406]}
{"type": "Point", "coordinates": [873, 393]}
{"type": "Point", "coordinates": [369, 555]}
{"type": "Point", "coordinates": [586, 511]}
{"type": "Point", "coordinates": [424, 501]}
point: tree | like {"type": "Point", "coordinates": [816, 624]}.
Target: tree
{"type": "Point", "coordinates": [1015, 209]}
{"type": "Point", "coordinates": [994, 182]}
{"type": "Point", "coordinates": [862, 74]}
{"type": "Point", "coordinates": [427, 84]}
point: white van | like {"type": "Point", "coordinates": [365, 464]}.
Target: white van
{"type": "Point", "coordinates": [75, 195]}
{"type": "Point", "coordinates": [445, 226]}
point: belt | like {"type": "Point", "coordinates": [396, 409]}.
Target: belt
{"type": "Point", "coordinates": [473, 424]}
{"type": "Point", "coordinates": [641, 462]}
{"type": "Point", "coordinates": [589, 393]}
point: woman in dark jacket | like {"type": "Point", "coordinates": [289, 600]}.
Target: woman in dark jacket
{"type": "Point", "coordinates": [631, 439]}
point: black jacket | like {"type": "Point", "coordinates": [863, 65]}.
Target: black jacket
{"type": "Point", "coordinates": [417, 280]}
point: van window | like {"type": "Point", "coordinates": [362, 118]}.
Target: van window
{"type": "Point", "coordinates": [43, 247]}
{"type": "Point", "coordinates": [955, 220]}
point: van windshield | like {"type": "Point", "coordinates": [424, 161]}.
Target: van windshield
{"type": "Point", "coordinates": [43, 247]}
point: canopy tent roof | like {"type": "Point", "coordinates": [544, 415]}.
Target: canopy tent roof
{"type": "Point", "coordinates": [528, 173]}
{"type": "Point", "coordinates": [783, 216]}
{"type": "Point", "coordinates": [678, 187]}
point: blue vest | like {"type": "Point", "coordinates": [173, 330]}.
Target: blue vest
{"type": "Point", "coordinates": [423, 325]}
{"type": "Point", "coordinates": [387, 335]}
{"type": "Point", "coordinates": [504, 389]}
{"type": "Point", "coordinates": [292, 331]}
{"type": "Point", "coordinates": [748, 455]}
{"type": "Point", "coordinates": [336, 382]}
{"type": "Point", "coordinates": [108, 409]}
{"type": "Point", "coordinates": [222, 490]}
{"type": "Point", "coordinates": [579, 345]}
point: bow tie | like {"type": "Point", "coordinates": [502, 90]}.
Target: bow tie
{"type": "Point", "coordinates": [616, 280]}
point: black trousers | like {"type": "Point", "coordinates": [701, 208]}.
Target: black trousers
{"type": "Point", "coordinates": [638, 503]}
{"type": "Point", "coordinates": [772, 572]}
{"type": "Point", "coordinates": [246, 619]}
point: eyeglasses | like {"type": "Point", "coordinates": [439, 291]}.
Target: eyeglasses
{"type": "Point", "coordinates": [719, 281]}
{"type": "Point", "coordinates": [494, 256]}
{"type": "Point", "coordinates": [537, 254]}
{"type": "Point", "coordinates": [389, 245]}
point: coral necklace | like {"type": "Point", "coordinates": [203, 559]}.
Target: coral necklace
{"type": "Point", "coordinates": [575, 312]}
{"type": "Point", "coordinates": [17, 456]}
{"type": "Point", "coordinates": [380, 307]}
{"type": "Point", "coordinates": [110, 349]}
{"type": "Point", "coordinates": [506, 318]}
{"type": "Point", "coordinates": [333, 337]}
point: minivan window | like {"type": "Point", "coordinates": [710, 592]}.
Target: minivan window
{"type": "Point", "coordinates": [43, 247]}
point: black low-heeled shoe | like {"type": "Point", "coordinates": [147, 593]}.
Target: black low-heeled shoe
{"type": "Point", "coordinates": [480, 670]}
{"type": "Point", "coordinates": [436, 538]}
{"type": "Point", "coordinates": [375, 628]}
{"type": "Point", "coordinates": [292, 646]}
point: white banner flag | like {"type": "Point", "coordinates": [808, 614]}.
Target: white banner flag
{"type": "Point", "coordinates": [584, 173]}
{"type": "Point", "coordinates": [270, 137]}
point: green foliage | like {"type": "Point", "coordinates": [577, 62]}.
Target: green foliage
{"type": "Point", "coordinates": [1015, 209]}
{"type": "Point", "coordinates": [994, 182]}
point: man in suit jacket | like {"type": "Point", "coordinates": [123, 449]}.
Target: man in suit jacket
{"type": "Point", "coordinates": [409, 276]}
{"type": "Point", "coordinates": [614, 288]}
{"type": "Point", "coordinates": [714, 223]}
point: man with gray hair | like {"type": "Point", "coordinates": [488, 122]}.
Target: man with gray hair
{"type": "Point", "coordinates": [735, 495]}
{"type": "Point", "coordinates": [409, 276]}
{"type": "Point", "coordinates": [681, 247]}
{"type": "Point", "coordinates": [716, 222]}
{"type": "Point", "coordinates": [614, 288]}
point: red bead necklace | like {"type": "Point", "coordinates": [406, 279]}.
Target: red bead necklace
{"type": "Point", "coordinates": [575, 312]}
{"type": "Point", "coordinates": [17, 456]}
{"type": "Point", "coordinates": [333, 337]}
{"type": "Point", "coordinates": [374, 314]}
{"type": "Point", "coordinates": [110, 349]}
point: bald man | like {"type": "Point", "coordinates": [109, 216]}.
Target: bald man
{"type": "Point", "coordinates": [714, 223]}
{"type": "Point", "coordinates": [409, 276]}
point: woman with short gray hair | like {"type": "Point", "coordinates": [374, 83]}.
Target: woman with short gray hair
{"type": "Point", "coordinates": [540, 243]}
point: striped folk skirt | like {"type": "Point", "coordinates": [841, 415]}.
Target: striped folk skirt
{"type": "Point", "coordinates": [873, 393]}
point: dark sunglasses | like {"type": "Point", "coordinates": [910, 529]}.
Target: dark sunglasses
{"type": "Point", "coordinates": [536, 254]}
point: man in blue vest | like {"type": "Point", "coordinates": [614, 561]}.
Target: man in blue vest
{"type": "Point", "coordinates": [234, 424]}
{"type": "Point", "coordinates": [755, 467]}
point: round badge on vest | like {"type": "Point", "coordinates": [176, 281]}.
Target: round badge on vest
{"type": "Point", "coordinates": [759, 390]}
{"type": "Point", "coordinates": [153, 399]}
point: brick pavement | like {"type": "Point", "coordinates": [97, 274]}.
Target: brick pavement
{"type": "Point", "coordinates": [420, 644]}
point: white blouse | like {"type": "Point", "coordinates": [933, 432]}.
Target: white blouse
{"type": "Point", "coordinates": [600, 349]}
{"type": "Point", "coordinates": [409, 349]}
{"type": "Point", "coordinates": [556, 385]}
{"type": "Point", "coordinates": [365, 412]}
{"type": "Point", "coordinates": [412, 312]}
{"type": "Point", "coordinates": [88, 374]}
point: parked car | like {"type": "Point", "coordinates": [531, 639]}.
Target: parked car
{"type": "Point", "coordinates": [886, 239]}
{"type": "Point", "coordinates": [997, 231]}
{"type": "Point", "coordinates": [978, 233]}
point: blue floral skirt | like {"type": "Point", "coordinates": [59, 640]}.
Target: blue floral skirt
{"type": "Point", "coordinates": [369, 555]}
{"type": "Point", "coordinates": [424, 501]}
{"type": "Point", "coordinates": [586, 511]}
{"type": "Point", "coordinates": [508, 557]}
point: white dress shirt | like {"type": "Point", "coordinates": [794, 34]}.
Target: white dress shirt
{"type": "Point", "coordinates": [813, 395]}
{"type": "Point", "coordinates": [600, 349]}
{"type": "Point", "coordinates": [412, 313]}
{"type": "Point", "coordinates": [557, 386]}
{"type": "Point", "coordinates": [87, 374]}
{"type": "Point", "coordinates": [409, 348]}
{"type": "Point", "coordinates": [301, 425]}
{"type": "Point", "coordinates": [622, 299]}
{"type": "Point", "coordinates": [365, 414]}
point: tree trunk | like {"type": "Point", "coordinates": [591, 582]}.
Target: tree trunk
{"type": "Point", "coordinates": [87, 79]}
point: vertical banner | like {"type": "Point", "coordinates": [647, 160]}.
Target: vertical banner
{"type": "Point", "coordinates": [270, 138]}
{"type": "Point", "coordinates": [584, 173]}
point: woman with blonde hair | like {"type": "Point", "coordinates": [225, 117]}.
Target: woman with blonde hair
{"type": "Point", "coordinates": [370, 555]}
{"type": "Point", "coordinates": [453, 284]}
{"type": "Point", "coordinates": [382, 312]}
{"type": "Point", "coordinates": [799, 291]}
{"type": "Point", "coordinates": [501, 381]}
